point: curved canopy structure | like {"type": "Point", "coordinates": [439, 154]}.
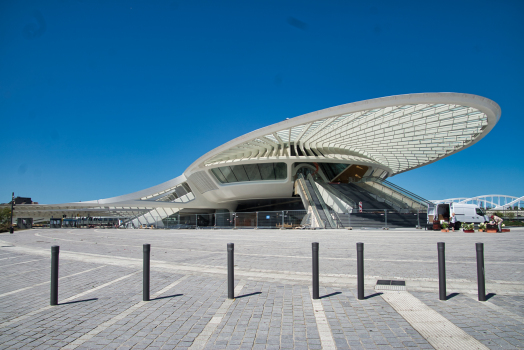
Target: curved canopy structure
{"type": "Point", "coordinates": [366, 141]}
{"type": "Point", "coordinates": [398, 132]}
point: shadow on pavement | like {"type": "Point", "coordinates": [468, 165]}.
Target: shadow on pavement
{"type": "Point", "coordinates": [452, 295]}
{"type": "Point", "coordinates": [373, 295]}
{"type": "Point", "coordinates": [78, 301]}
{"type": "Point", "coordinates": [248, 295]}
{"type": "Point", "coordinates": [330, 295]}
{"type": "Point", "coordinates": [168, 296]}
{"type": "Point", "coordinates": [490, 295]}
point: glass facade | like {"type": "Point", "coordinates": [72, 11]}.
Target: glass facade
{"type": "Point", "coordinates": [331, 170]}
{"type": "Point", "coordinates": [179, 191]}
{"type": "Point", "coordinates": [250, 172]}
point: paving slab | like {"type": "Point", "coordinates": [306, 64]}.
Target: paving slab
{"type": "Point", "coordinates": [101, 307]}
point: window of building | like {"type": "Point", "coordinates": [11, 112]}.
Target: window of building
{"type": "Point", "coordinates": [240, 173]}
{"type": "Point", "coordinates": [218, 174]}
{"type": "Point", "coordinates": [228, 173]}
{"type": "Point", "coordinates": [251, 172]}
{"type": "Point", "coordinates": [267, 170]}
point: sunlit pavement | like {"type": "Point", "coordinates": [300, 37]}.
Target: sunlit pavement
{"type": "Point", "coordinates": [100, 290]}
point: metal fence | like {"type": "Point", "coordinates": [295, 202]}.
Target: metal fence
{"type": "Point", "coordinates": [290, 219]}
{"type": "Point", "coordinates": [382, 218]}
{"type": "Point", "coordinates": [241, 220]}
{"type": "Point", "coordinates": [516, 214]}
{"type": "Point", "coordinates": [281, 219]}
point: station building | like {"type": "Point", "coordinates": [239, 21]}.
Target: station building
{"type": "Point", "coordinates": [317, 170]}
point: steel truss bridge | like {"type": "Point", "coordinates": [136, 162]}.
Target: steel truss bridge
{"type": "Point", "coordinates": [491, 201]}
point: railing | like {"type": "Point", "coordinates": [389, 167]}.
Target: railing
{"type": "Point", "coordinates": [380, 195]}
{"type": "Point", "coordinates": [303, 191]}
{"type": "Point", "coordinates": [384, 218]}
{"type": "Point", "coordinates": [238, 220]}
{"type": "Point", "coordinates": [291, 219]}
{"type": "Point", "coordinates": [508, 214]}
{"type": "Point", "coordinates": [276, 219]}
{"type": "Point", "coordinates": [422, 202]}
{"type": "Point", "coordinates": [406, 192]}
{"type": "Point", "coordinates": [337, 220]}
{"type": "Point", "coordinates": [321, 200]}
{"type": "Point", "coordinates": [348, 201]}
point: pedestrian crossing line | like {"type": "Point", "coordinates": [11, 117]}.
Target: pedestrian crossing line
{"type": "Point", "coordinates": [324, 330]}
{"type": "Point", "coordinates": [202, 339]}
{"type": "Point", "coordinates": [435, 328]}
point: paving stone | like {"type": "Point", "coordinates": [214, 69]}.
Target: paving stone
{"type": "Point", "coordinates": [269, 314]}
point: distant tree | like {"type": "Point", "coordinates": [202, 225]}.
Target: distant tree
{"type": "Point", "coordinates": [5, 217]}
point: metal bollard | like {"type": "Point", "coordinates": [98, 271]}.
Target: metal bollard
{"type": "Point", "coordinates": [481, 281]}
{"type": "Point", "coordinates": [441, 271]}
{"type": "Point", "coordinates": [314, 247]}
{"type": "Point", "coordinates": [146, 268]}
{"type": "Point", "coordinates": [55, 250]}
{"type": "Point", "coordinates": [230, 271]}
{"type": "Point", "coordinates": [360, 270]}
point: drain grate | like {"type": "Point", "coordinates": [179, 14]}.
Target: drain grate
{"type": "Point", "coordinates": [391, 285]}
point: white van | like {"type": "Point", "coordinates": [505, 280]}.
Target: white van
{"type": "Point", "coordinates": [470, 213]}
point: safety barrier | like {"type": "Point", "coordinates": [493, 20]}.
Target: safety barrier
{"type": "Point", "coordinates": [481, 283]}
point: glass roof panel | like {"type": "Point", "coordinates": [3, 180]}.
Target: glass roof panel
{"type": "Point", "coordinates": [389, 134]}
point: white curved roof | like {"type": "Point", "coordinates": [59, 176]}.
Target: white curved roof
{"type": "Point", "coordinates": [398, 132]}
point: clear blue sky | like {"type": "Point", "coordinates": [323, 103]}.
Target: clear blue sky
{"type": "Point", "coordinates": [103, 98]}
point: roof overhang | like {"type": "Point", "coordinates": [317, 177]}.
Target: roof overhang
{"type": "Point", "coordinates": [400, 132]}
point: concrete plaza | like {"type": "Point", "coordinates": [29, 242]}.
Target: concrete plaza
{"type": "Point", "coordinates": [101, 307]}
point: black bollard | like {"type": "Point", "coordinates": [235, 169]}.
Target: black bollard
{"type": "Point", "coordinates": [55, 250]}
{"type": "Point", "coordinates": [230, 271]}
{"type": "Point", "coordinates": [147, 251]}
{"type": "Point", "coordinates": [480, 272]}
{"type": "Point", "coordinates": [360, 270]}
{"type": "Point", "coordinates": [314, 247]}
{"type": "Point", "coordinates": [441, 271]}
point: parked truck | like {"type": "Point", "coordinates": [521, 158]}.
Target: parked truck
{"type": "Point", "coordinates": [470, 213]}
